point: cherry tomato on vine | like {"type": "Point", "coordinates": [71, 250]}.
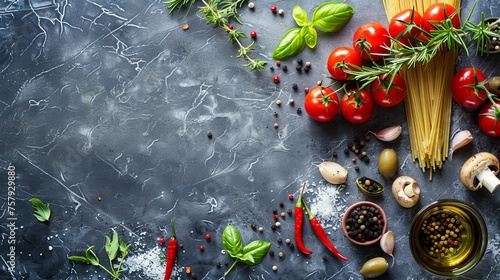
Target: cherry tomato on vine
{"type": "Point", "coordinates": [394, 96]}
{"type": "Point", "coordinates": [339, 60]}
{"type": "Point", "coordinates": [371, 38]}
{"type": "Point", "coordinates": [398, 28]}
{"type": "Point", "coordinates": [437, 13]}
{"type": "Point", "coordinates": [321, 104]}
{"type": "Point", "coordinates": [489, 119]}
{"type": "Point", "coordinates": [356, 106]}
{"type": "Point", "coordinates": [464, 88]}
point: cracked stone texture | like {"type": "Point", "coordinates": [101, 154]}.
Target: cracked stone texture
{"type": "Point", "coordinates": [113, 99]}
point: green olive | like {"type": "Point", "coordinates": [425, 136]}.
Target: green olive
{"type": "Point", "coordinates": [374, 267]}
{"type": "Point", "coordinates": [388, 163]}
{"type": "Point", "coordinates": [494, 85]}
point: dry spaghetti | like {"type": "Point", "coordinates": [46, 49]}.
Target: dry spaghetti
{"type": "Point", "coordinates": [428, 100]}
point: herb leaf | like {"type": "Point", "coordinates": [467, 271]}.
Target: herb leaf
{"type": "Point", "coordinates": [42, 211]}
{"type": "Point", "coordinates": [232, 242]}
{"type": "Point", "coordinates": [291, 44]}
{"type": "Point", "coordinates": [332, 16]}
{"type": "Point", "coordinates": [311, 37]}
{"type": "Point", "coordinates": [255, 251]}
{"type": "Point", "coordinates": [251, 254]}
{"type": "Point", "coordinates": [299, 15]}
{"type": "Point", "coordinates": [91, 257]}
{"type": "Point", "coordinates": [112, 246]}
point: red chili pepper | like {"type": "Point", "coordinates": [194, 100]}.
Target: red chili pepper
{"type": "Point", "coordinates": [171, 253]}
{"type": "Point", "coordinates": [299, 218]}
{"type": "Point", "coordinates": [321, 234]}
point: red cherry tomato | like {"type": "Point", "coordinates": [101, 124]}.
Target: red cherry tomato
{"type": "Point", "coordinates": [371, 38]}
{"type": "Point", "coordinates": [489, 119]}
{"type": "Point", "coordinates": [356, 106]}
{"type": "Point", "coordinates": [394, 96]}
{"type": "Point", "coordinates": [339, 60]}
{"type": "Point", "coordinates": [397, 29]}
{"type": "Point", "coordinates": [321, 104]}
{"type": "Point", "coordinates": [437, 13]}
{"type": "Point", "coordinates": [464, 88]}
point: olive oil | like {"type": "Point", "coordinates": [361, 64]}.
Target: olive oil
{"type": "Point", "coordinates": [448, 237]}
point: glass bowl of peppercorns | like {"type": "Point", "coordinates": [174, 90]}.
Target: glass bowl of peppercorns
{"type": "Point", "coordinates": [494, 26]}
{"type": "Point", "coordinates": [448, 237]}
{"type": "Point", "coordinates": [364, 223]}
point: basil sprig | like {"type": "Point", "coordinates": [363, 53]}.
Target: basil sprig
{"type": "Point", "coordinates": [327, 17]}
{"type": "Point", "coordinates": [251, 254]}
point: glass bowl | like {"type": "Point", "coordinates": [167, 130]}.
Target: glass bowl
{"type": "Point", "coordinates": [448, 237]}
{"type": "Point", "coordinates": [364, 237]}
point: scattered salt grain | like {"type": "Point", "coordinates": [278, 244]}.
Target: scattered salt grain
{"type": "Point", "coordinates": [148, 263]}
{"type": "Point", "coordinates": [327, 204]}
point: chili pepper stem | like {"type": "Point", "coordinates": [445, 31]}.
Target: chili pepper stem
{"type": "Point", "coordinates": [299, 201]}
{"type": "Point", "coordinates": [173, 229]}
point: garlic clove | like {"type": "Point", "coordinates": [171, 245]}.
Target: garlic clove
{"type": "Point", "coordinates": [333, 172]}
{"type": "Point", "coordinates": [387, 244]}
{"type": "Point", "coordinates": [460, 139]}
{"type": "Point", "coordinates": [388, 134]}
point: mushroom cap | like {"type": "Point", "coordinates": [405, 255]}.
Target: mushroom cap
{"type": "Point", "coordinates": [475, 164]}
{"type": "Point", "coordinates": [406, 191]}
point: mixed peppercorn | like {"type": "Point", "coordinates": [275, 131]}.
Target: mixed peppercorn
{"type": "Point", "coordinates": [441, 234]}
{"type": "Point", "coordinates": [364, 223]}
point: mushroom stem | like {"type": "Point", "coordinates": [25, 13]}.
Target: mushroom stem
{"type": "Point", "coordinates": [411, 189]}
{"type": "Point", "coordinates": [488, 180]}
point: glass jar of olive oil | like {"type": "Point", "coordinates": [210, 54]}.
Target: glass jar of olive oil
{"type": "Point", "coordinates": [448, 237]}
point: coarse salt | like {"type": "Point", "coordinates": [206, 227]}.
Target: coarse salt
{"type": "Point", "coordinates": [326, 204]}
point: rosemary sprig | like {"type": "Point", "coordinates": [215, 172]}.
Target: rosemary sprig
{"type": "Point", "coordinates": [445, 36]}
{"type": "Point", "coordinates": [218, 13]}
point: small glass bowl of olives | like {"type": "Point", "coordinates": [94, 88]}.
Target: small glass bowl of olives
{"type": "Point", "coordinates": [448, 237]}
{"type": "Point", "coordinates": [364, 223]}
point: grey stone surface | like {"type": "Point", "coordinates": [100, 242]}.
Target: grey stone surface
{"type": "Point", "coordinates": [114, 99]}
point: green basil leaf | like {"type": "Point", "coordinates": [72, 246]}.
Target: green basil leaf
{"type": "Point", "coordinates": [91, 257]}
{"type": "Point", "coordinates": [41, 210]}
{"type": "Point", "coordinates": [231, 240]}
{"type": "Point", "coordinates": [291, 44]}
{"type": "Point", "coordinates": [299, 15]}
{"type": "Point", "coordinates": [255, 251]}
{"type": "Point", "coordinates": [112, 246]}
{"type": "Point", "coordinates": [311, 37]}
{"type": "Point", "coordinates": [331, 16]}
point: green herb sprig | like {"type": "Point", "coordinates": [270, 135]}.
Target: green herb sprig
{"type": "Point", "coordinates": [444, 37]}
{"type": "Point", "coordinates": [41, 210]}
{"type": "Point", "coordinates": [218, 13]}
{"type": "Point", "coordinates": [251, 254]}
{"type": "Point", "coordinates": [327, 17]}
{"type": "Point", "coordinates": [113, 246]}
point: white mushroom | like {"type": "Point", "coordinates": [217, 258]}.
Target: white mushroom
{"type": "Point", "coordinates": [406, 191]}
{"type": "Point", "coordinates": [480, 171]}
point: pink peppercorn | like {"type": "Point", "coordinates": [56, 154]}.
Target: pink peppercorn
{"type": "Point", "coordinates": [253, 34]}
{"type": "Point", "coordinates": [276, 79]}
{"type": "Point", "coordinates": [274, 9]}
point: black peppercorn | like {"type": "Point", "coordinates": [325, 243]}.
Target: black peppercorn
{"type": "Point", "coordinates": [300, 62]}
{"type": "Point", "coordinates": [295, 86]}
{"type": "Point", "coordinates": [209, 135]}
{"type": "Point", "coordinates": [298, 68]}
{"type": "Point", "coordinates": [285, 68]}
{"type": "Point", "coordinates": [271, 253]}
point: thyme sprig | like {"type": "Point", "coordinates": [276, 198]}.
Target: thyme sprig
{"type": "Point", "coordinates": [219, 13]}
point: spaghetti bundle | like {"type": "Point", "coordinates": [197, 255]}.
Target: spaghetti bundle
{"type": "Point", "coordinates": [428, 100]}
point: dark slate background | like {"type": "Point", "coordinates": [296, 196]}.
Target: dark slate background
{"type": "Point", "coordinates": [114, 99]}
